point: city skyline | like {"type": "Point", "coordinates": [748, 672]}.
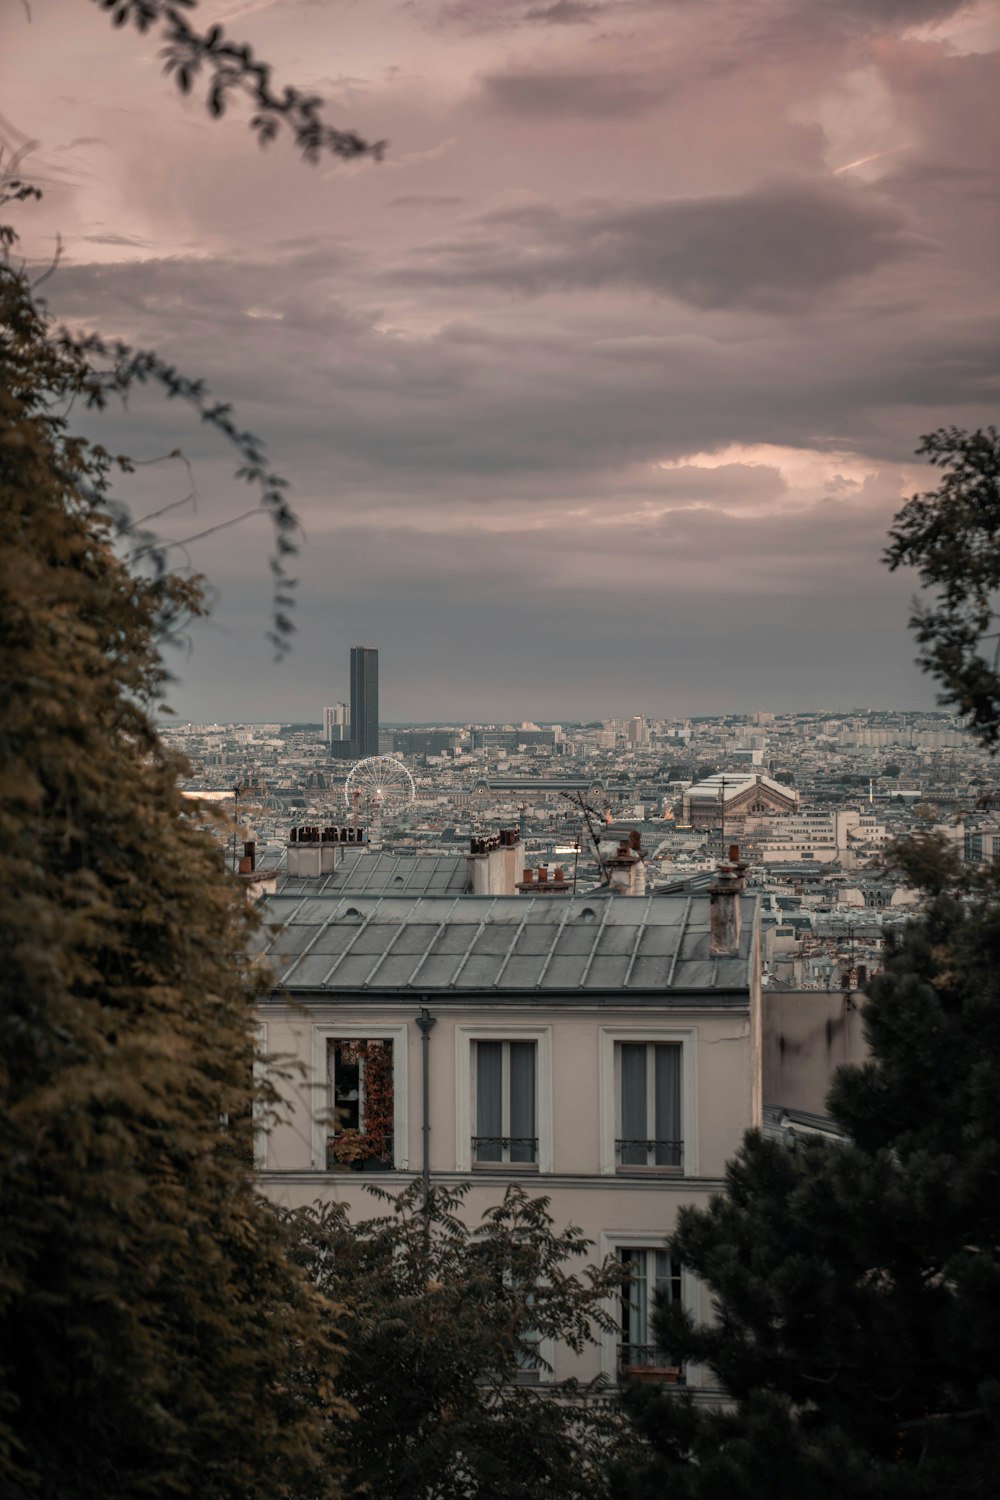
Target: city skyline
{"type": "Point", "coordinates": [604, 386]}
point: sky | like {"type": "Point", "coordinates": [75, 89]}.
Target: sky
{"type": "Point", "coordinates": [598, 394]}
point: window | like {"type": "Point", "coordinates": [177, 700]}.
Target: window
{"type": "Point", "coordinates": [506, 1132]}
{"type": "Point", "coordinates": [655, 1277]}
{"type": "Point", "coordinates": [360, 1101]}
{"type": "Point", "coordinates": [649, 1105]}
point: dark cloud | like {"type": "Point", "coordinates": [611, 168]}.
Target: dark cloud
{"type": "Point", "coordinates": [889, 14]}
{"type": "Point", "coordinates": [467, 416]}
{"type": "Point", "coordinates": [115, 239]}
{"type": "Point", "coordinates": [566, 13]}
{"type": "Point", "coordinates": [478, 16]}
{"type": "Point", "coordinates": [772, 249]}
{"type": "Point", "coordinates": [540, 95]}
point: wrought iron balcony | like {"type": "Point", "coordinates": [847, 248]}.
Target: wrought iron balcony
{"type": "Point", "coordinates": [658, 1153]}
{"type": "Point", "coordinates": [505, 1150]}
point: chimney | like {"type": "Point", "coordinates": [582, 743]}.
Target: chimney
{"type": "Point", "coordinates": [724, 895]}
{"type": "Point", "coordinates": [626, 868]}
{"type": "Point", "coordinates": [492, 863]}
{"type": "Point", "coordinates": [248, 863]}
{"type": "Point", "coordinates": [314, 851]}
{"type": "Point", "coordinates": [545, 882]}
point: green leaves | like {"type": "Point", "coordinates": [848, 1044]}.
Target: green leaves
{"type": "Point", "coordinates": [951, 536]}
{"type": "Point", "coordinates": [155, 1338]}
{"type": "Point", "coordinates": [445, 1320]}
{"type": "Point", "coordinates": [857, 1285]}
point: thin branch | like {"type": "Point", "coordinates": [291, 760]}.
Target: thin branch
{"type": "Point", "coordinates": [161, 546]}
{"type": "Point", "coordinates": [231, 67]}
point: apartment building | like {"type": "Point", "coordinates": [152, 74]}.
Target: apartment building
{"type": "Point", "coordinates": [604, 1050]}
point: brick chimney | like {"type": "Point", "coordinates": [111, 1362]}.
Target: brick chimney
{"type": "Point", "coordinates": [724, 895]}
{"type": "Point", "coordinates": [541, 881]}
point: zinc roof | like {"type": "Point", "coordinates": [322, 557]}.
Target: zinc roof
{"type": "Point", "coordinates": [332, 942]}
{"type": "Point", "coordinates": [368, 872]}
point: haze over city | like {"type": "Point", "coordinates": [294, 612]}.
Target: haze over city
{"type": "Point", "coordinates": [599, 393]}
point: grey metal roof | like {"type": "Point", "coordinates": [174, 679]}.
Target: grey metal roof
{"type": "Point", "coordinates": [371, 872]}
{"type": "Point", "coordinates": [332, 942]}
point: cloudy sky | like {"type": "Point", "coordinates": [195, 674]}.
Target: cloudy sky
{"type": "Point", "coordinates": [598, 394]}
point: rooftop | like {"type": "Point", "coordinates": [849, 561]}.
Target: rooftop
{"type": "Point", "coordinates": [333, 942]}
{"type": "Point", "coordinates": [367, 872]}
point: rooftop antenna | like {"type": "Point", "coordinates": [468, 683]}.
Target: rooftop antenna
{"type": "Point", "coordinates": [589, 813]}
{"type": "Point", "coordinates": [722, 814]}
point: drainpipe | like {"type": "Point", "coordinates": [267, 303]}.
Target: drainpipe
{"type": "Point", "coordinates": [425, 1021]}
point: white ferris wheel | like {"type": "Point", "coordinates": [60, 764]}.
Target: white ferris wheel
{"type": "Point", "coordinates": [380, 786]}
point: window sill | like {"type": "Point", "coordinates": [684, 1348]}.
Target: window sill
{"type": "Point", "coordinates": [638, 1171]}
{"type": "Point", "coordinates": [505, 1166]}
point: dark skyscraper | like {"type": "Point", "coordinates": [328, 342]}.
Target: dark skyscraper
{"type": "Point", "coordinates": [364, 701]}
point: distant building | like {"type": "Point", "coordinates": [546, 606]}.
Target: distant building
{"type": "Point", "coordinates": [336, 724]}
{"type": "Point", "coordinates": [426, 741]}
{"type": "Point", "coordinates": [364, 700]}
{"type": "Point", "coordinates": [511, 739]}
{"type": "Point", "coordinates": [727, 800]}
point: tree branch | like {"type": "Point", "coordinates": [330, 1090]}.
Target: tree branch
{"type": "Point", "coordinates": [232, 67]}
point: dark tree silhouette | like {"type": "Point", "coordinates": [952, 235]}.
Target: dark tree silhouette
{"type": "Point", "coordinates": [951, 536]}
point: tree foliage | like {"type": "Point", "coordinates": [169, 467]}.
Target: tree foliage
{"type": "Point", "coordinates": [857, 1285]}
{"type": "Point", "coordinates": [951, 535]}
{"type": "Point", "coordinates": [444, 1323]}
{"type": "Point", "coordinates": [229, 68]}
{"type": "Point", "coordinates": [155, 1338]}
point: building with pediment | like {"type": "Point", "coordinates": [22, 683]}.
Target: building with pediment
{"type": "Point", "coordinates": [727, 799]}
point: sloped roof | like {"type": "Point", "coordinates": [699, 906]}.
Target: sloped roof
{"type": "Point", "coordinates": [729, 784]}
{"type": "Point", "coordinates": [373, 872]}
{"type": "Point", "coordinates": [331, 943]}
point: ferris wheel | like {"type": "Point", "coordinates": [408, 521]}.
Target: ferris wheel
{"type": "Point", "coordinates": [381, 784]}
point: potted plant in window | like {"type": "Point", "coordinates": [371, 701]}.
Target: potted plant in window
{"type": "Point", "coordinates": [350, 1148]}
{"type": "Point", "coordinates": [368, 1149]}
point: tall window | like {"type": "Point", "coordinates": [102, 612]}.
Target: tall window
{"type": "Point", "coordinates": [505, 1108]}
{"type": "Point", "coordinates": [655, 1276]}
{"type": "Point", "coordinates": [649, 1105]}
{"type": "Point", "coordinates": [361, 1104]}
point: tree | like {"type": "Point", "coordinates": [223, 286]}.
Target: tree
{"type": "Point", "coordinates": [156, 1339]}
{"type": "Point", "coordinates": [951, 535]}
{"type": "Point", "coordinates": [445, 1321]}
{"type": "Point", "coordinates": [857, 1285]}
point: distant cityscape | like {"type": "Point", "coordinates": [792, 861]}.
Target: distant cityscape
{"type": "Point", "coordinates": [811, 800]}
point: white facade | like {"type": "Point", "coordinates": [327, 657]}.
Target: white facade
{"type": "Point", "coordinates": [619, 1101]}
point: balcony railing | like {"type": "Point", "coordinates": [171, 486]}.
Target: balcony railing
{"type": "Point", "coordinates": [647, 1362]}
{"type": "Point", "coordinates": [635, 1153]}
{"type": "Point", "coordinates": [505, 1150]}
